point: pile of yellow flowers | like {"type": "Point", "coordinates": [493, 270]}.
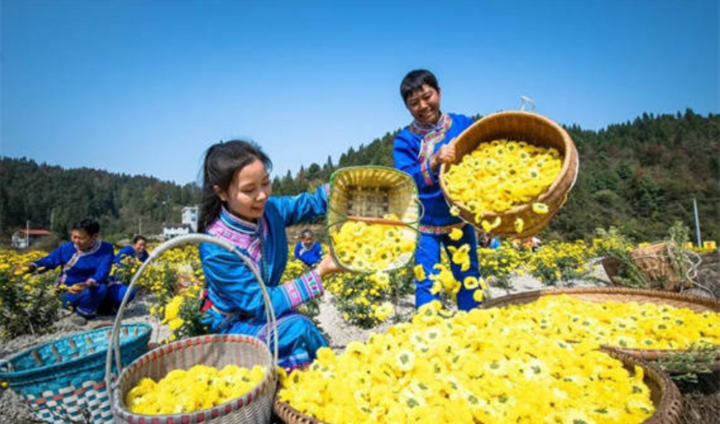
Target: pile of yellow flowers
{"type": "Point", "coordinates": [374, 247]}
{"type": "Point", "coordinates": [501, 174]}
{"type": "Point", "coordinates": [200, 387]}
{"type": "Point", "coordinates": [29, 303]}
{"type": "Point", "coordinates": [629, 325]}
{"type": "Point", "coordinates": [479, 366]}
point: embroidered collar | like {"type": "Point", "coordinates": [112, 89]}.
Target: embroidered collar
{"type": "Point", "coordinates": [442, 125]}
{"type": "Point", "coordinates": [236, 223]}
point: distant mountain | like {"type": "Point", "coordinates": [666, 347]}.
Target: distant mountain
{"type": "Point", "coordinates": [53, 198]}
{"type": "Point", "coordinates": [640, 176]}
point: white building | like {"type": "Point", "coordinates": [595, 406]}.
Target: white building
{"type": "Point", "coordinates": [190, 216]}
{"type": "Point", "coordinates": [22, 239]}
{"type": "Point", "coordinates": [174, 230]}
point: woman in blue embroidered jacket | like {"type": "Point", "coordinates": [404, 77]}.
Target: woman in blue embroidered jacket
{"type": "Point", "coordinates": [237, 207]}
{"type": "Point", "coordinates": [419, 149]}
{"type": "Point", "coordinates": [116, 290]}
{"type": "Point", "coordinates": [86, 263]}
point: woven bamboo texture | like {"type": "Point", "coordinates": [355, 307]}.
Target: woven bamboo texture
{"type": "Point", "coordinates": [371, 192]}
{"type": "Point", "coordinates": [641, 296]}
{"type": "Point", "coordinates": [64, 380]}
{"type": "Point", "coordinates": [254, 407]}
{"type": "Point", "coordinates": [534, 129]}
{"type": "Point", "coordinates": [215, 351]}
{"type": "Point", "coordinates": [656, 264]}
{"type": "Point", "coordinates": [664, 394]}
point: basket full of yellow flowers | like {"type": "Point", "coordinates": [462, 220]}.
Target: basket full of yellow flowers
{"type": "Point", "coordinates": [218, 378]}
{"type": "Point", "coordinates": [373, 218]}
{"type": "Point", "coordinates": [512, 172]}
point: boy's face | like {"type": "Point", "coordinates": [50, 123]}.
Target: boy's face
{"type": "Point", "coordinates": [307, 239]}
{"type": "Point", "coordinates": [424, 105]}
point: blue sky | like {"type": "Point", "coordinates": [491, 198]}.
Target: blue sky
{"type": "Point", "coordinates": [144, 87]}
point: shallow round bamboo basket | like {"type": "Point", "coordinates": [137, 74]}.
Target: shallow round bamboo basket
{"type": "Point", "coordinates": [664, 394]}
{"type": "Point", "coordinates": [617, 294]}
{"type": "Point", "coordinates": [534, 129]}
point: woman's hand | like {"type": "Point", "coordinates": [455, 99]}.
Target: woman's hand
{"type": "Point", "coordinates": [328, 266]}
{"type": "Point", "coordinates": [446, 154]}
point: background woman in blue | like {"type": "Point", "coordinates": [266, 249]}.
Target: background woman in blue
{"type": "Point", "coordinates": [419, 149]}
{"type": "Point", "coordinates": [86, 263]}
{"type": "Point", "coordinates": [116, 290]}
{"type": "Point", "coordinates": [307, 249]}
{"type": "Point", "coordinates": [236, 206]}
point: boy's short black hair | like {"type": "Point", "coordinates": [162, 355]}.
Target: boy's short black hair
{"type": "Point", "coordinates": [137, 238]}
{"type": "Point", "coordinates": [90, 226]}
{"type": "Point", "coordinates": [306, 233]}
{"type": "Point", "coordinates": [414, 81]}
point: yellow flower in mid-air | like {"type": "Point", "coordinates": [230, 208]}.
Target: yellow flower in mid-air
{"type": "Point", "coordinates": [540, 208]}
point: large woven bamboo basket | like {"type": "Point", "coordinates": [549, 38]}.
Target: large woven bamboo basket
{"type": "Point", "coordinates": [369, 193]}
{"type": "Point", "coordinates": [534, 129]}
{"type": "Point", "coordinates": [63, 380]}
{"type": "Point", "coordinates": [664, 395]}
{"type": "Point", "coordinates": [254, 407]}
{"type": "Point", "coordinates": [605, 294]}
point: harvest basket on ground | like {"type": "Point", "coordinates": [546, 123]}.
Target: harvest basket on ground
{"type": "Point", "coordinates": [534, 129]}
{"type": "Point", "coordinates": [664, 395]}
{"type": "Point", "coordinates": [368, 194]}
{"type": "Point", "coordinates": [63, 381]}
{"type": "Point", "coordinates": [217, 351]}
{"type": "Point", "coordinates": [656, 264]}
{"type": "Point", "coordinates": [604, 294]}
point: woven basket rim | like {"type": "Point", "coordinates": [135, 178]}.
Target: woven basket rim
{"type": "Point", "coordinates": [540, 197]}
{"type": "Point", "coordinates": [668, 408]}
{"type": "Point", "coordinates": [640, 293]}
{"type": "Point", "coordinates": [229, 407]}
{"type": "Point", "coordinates": [145, 330]}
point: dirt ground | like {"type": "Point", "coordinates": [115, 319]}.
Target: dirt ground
{"type": "Point", "coordinates": [701, 400]}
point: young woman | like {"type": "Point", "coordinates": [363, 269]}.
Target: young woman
{"type": "Point", "coordinates": [236, 206]}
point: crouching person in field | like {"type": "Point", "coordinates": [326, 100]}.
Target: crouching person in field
{"type": "Point", "coordinates": [86, 263]}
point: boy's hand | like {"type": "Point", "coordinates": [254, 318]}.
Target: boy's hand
{"type": "Point", "coordinates": [446, 154]}
{"type": "Point", "coordinates": [30, 267]}
{"type": "Point", "coordinates": [328, 266]}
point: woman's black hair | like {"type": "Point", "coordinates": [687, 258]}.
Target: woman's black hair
{"type": "Point", "coordinates": [414, 81]}
{"type": "Point", "coordinates": [90, 226]}
{"type": "Point", "coordinates": [222, 161]}
{"type": "Point", "coordinates": [137, 238]}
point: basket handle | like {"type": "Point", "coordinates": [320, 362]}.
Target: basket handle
{"type": "Point", "coordinates": [114, 344]}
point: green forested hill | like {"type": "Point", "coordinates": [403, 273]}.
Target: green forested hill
{"type": "Point", "coordinates": [53, 198]}
{"type": "Point", "coordinates": [640, 176]}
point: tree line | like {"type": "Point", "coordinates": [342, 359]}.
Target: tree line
{"type": "Point", "coordinates": [640, 176]}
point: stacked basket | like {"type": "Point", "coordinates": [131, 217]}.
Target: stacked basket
{"type": "Point", "coordinates": [534, 129]}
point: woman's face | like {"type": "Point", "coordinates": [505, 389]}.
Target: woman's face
{"type": "Point", "coordinates": [139, 246]}
{"type": "Point", "coordinates": [248, 192]}
{"type": "Point", "coordinates": [424, 105]}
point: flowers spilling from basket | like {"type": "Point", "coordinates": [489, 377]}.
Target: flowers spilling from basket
{"type": "Point", "coordinates": [200, 387]}
{"type": "Point", "coordinates": [472, 367]}
{"type": "Point", "coordinates": [372, 246]}
{"type": "Point", "coordinates": [501, 174]}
